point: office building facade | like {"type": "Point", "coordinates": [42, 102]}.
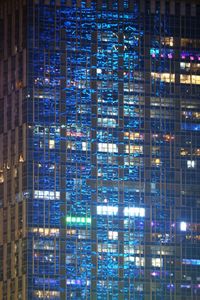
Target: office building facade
{"type": "Point", "coordinates": [99, 149]}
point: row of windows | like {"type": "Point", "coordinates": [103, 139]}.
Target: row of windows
{"type": "Point", "coordinates": [170, 77]}
{"type": "Point", "coordinates": [113, 148]}
{"type": "Point", "coordinates": [165, 77]}
{"type": "Point", "coordinates": [183, 226]}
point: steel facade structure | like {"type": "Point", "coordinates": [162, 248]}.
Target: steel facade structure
{"type": "Point", "coordinates": [100, 149]}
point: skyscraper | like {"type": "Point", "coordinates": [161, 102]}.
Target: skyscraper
{"type": "Point", "coordinates": [99, 149]}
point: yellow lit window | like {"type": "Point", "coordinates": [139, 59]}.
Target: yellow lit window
{"type": "Point", "coordinates": [156, 161]}
{"type": "Point", "coordinates": [195, 79]}
{"type": "Point", "coordinates": [47, 294]}
{"type": "Point", "coordinates": [183, 152]}
{"type": "Point", "coordinates": [157, 262]}
{"type": "Point", "coordinates": [70, 145]}
{"type": "Point", "coordinates": [51, 144]}
{"type": "Point", "coordinates": [71, 231]}
{"type": "Point", "coordinates": [112, 235]}
{"type": "Point", "coordinates": [197, 152]}
{"type": "Point", "coordinates": [186, 42]}
{"type": "Point", "coordinates": [167, 41]}
{"type": "Point", "coordinates": [168, 137]}
{"type": "Point", "coordinates": [134, 149]}
{"type": "Point", "coordinates": [195, 67]}
{"type": "Point", "coordinates": [46, 231]}
{"type": "Point", "coordinates": [139, 261]}
{"type": "Point", "coordinates": [196, 115]}
{"type": "Point", "coordinates": [133, 135]}
{"type": "Point", "coordinates": [185, 79]}
{"type": "Point", "coordinates": [107, 147]}
{"type": "Point", "coordinates": [21, 159]}
{"type": "Point", "coordinates": [190, 79]}
{"type": "Point", "coordinates": [166, 77]}
{"type": "Point", "coordinates": [1, 178]}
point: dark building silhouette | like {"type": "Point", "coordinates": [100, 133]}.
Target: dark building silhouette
{"type": "Point", "coordinates": [99, 150]}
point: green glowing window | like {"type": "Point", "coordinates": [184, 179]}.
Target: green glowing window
{"type": "Point", "coordinates": [78, 220]}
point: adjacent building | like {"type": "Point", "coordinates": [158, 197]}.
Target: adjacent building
{"type": "Point", "coordinates": [99, 149]}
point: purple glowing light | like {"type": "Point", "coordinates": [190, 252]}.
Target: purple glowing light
{"type": "Point", "coordinates": [169, 55]}
{"type": "Point", "coordinates": [77, 282]}
{"type": "Point", "coordinates": [187, 286]}
{"type": "Point", "coordinates": [170, 286]}
{"type": "Point", "coordinates": [154, 273]}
